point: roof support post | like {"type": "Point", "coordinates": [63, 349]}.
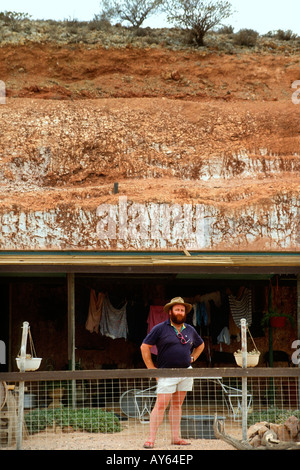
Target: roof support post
{"type": "Point", "coordinates": [71, 320]}
{"type": "Point", "coordinates": [71, 332]}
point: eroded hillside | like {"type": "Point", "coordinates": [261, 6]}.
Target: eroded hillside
{"type": "Point", "coordinates": [198, 127]}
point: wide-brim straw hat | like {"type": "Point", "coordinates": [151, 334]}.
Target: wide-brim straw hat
{"type": "Point", "coordinates": [178, 301]}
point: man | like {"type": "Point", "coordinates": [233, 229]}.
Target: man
{"type": "Point", "coordinates": [178, 345]}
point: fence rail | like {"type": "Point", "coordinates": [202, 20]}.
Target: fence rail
{"type": "Point", "coordinates": [110, 409]}
{"type": "Point", "coordinates": [134, 373]}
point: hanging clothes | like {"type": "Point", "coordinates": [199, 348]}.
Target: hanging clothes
{"type": "Point", "coordinates": [94, 314]}
{"type": "Point", "coordinates": [206, 299]}
{"type": "Point", "coordinates": [200, 317]}
{"type": "Point", "coordinates": [241, 307]}
{"type": "Point", "coordinates": [156, 315]}
{"type": "Point", "coordinates": [113, 321]}
{"type": "Point", "coordinates": [223, 337]}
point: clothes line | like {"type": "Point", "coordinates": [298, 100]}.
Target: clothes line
{"type": "Point", "coordinates": [210, 314]}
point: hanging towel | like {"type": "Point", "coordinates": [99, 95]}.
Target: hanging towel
{"type": "Point", "coordinates": [94, 313]}
{"type": "Point", "coordinates": [242, 307]}
{"type": "Point", "coordinates": [156, 315]}
{"type": "Point", "coordinates": [113, 321]}
{"type": "Point", "coordinates": [223, 337]}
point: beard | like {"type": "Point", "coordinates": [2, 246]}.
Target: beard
{"type": "Point", "coordinates": [178, 318]}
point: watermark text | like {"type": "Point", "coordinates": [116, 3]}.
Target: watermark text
{"type": "Point", "coordinates": [296, 94]}
{"type": "Point", "coordinates": [2, 352]}
{"type": "Point", "coordinates": [296, 354]}
{"type": "Point", "coordinates": [2, 92]}
{"type": "Point", "coordinates": [133, 222]}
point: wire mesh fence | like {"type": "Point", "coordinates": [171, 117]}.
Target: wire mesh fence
{"type": "Point", "coordinates": [114, 412]}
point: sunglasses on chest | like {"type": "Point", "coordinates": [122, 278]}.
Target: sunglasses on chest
{"type": "Point", "coordinates": [182, 339]}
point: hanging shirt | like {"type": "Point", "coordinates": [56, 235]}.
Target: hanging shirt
{"type": "Point", "coordinates": [242, 307]}
{"type": "Point", "coordinates": [113, 321]}
{"type": "Point", "coordinates": [156, 315]}
{"type": "Point", "coordinates": [94, 313]}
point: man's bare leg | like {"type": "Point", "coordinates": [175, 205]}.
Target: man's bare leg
{"type": "Point", "coordinates": [175, 416]}
{"type": "Point", "coordinates": [157, 414]}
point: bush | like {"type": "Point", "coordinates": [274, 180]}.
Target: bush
{"type": "Point", "coordinates": [11, 17]}
{"type": "Point", "coordinates": [272, 415]}
{"type": "Point", "coordinates": [99, 23]}
{"type": "Point", "coordinates": [285, 35]}
{"type": "Point", "coordinates": [246, 37]}
{"type": "Point", "coordinates": [82, 419]}
{"type": "Point", "coordinates": [225, 30]}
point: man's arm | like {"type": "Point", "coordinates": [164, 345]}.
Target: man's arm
{"type": "Point", "coordinates": [146, 354]}
{"type": "Point", "coordinates": [197, 351]}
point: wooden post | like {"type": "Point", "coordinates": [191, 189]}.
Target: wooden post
{"type": "Point", "coordinates": [298, 308]}
{"type": "Point", "coordinates": [244, 379]}
{"type": "Point", "coordinates": [21, 385]}
{"type": "Point", "coordinates": [71, 331]}
{"type": "Point", "coordinates": [10, 328]}
{"type": "Point", "coordinates": [71, 321]}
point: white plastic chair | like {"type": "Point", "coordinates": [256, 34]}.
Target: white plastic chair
{"type": "Point", "coordinates": [136, 403]}
{"type": "Point", "coordinates": [233, 399]}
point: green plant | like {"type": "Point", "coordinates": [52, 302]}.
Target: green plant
{"type": "Point", "coordinates": [246, 37]}
{"type": "Point", "coordinates": [285, 35]}
{"type": "Point", "coordinates": [272, 313]}
{"type": "Point", "coordinates": [226, 29]}
{"type": "Point", "coordinates": [272, 415]}
{"type": "Point", "coordinates": [11, 17]}
{"type": "Point", "coordinates": [82, 419]}
{"type": "Point", "coordinates": [99, 23]}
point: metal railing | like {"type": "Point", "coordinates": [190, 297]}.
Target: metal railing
{"type": "Point", "coordinates": [110, 409]}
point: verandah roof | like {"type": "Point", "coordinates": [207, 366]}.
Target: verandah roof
{"type": "Point", "coordinates": [136, 261]}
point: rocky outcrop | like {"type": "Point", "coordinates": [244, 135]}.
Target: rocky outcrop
{"type": "Point", "coordinates": [264, 436]}
{"type": "Point", "coordinates": [264, 433]}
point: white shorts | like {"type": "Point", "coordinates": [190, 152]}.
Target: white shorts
{"type": "Point", "coordinates": [174, 384]}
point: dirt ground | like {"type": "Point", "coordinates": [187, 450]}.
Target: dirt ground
{"type": "Point", "coordinates": [118, 442]}
{"type": "Point", "coordinates": [70, 72]}
{"type": "Point", "coordinates": [85, 441]}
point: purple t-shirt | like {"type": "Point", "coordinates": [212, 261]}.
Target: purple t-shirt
{"type": "Point", "coordinates": [171, 352]}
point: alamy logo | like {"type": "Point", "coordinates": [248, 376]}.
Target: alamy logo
{"type": "Point", "coordinates": [2, 352]}
{"type": "Point", "coordinates": [2, 92]}
{"type": "Point", "coordinates": [296, 94]}
{"type": "Point", "coordinates": [296, 354]}
{"type": "Point", "coordinates": [151, 221]}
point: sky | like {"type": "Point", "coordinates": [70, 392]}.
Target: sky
{"type": "Point", "coordinates": [261, 15]}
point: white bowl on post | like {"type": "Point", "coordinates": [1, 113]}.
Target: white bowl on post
{"type": "Point", "coordinates": [31, 363]}
{"type": "Point", "coordinates": [252, 358]}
